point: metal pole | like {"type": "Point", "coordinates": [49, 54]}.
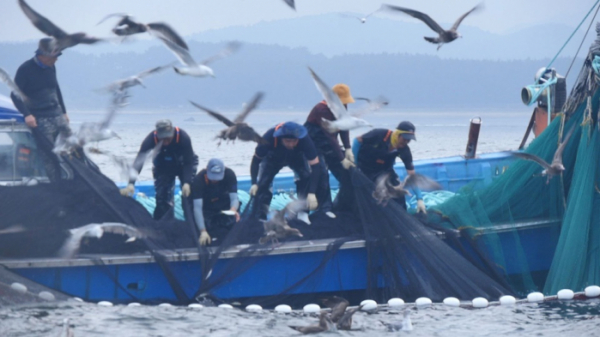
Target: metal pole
{"type": "Point", "coordinates": [474, 128]}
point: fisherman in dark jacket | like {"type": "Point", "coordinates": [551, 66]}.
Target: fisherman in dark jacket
{"type": "Point", "coordinates": [175, 158]}
{"type": "Point", "coordinates": [44, 108]}
{"type": "Point", "coordinates": [338, 161]}
{"type": "Point", "coordinates": [287, 144]}
{"type": "Point", "coordinates": [376, 152]}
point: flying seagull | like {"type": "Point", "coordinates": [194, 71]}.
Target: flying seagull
{"type": "Point", "coordinates": [134, 80]}
{"type": "Point", "coordinates": [362, 19]}
{"type": "Point", "coordinates": [325, 324]}
{"type": "Point", "coordinates": [445, 36]}
{"type": "Point", "coordinates": [277, 227]}
{"type": "Point", "coordinates": [340, 314]}
{"type": "Point", "coordinates": [405, 325]}
{"type": "Point", "coordinates": [556, 167]}
{"type": "Point", "coordinates": [290, 3]}
{"type": "Point", "coordinates": [344, 120]}
{"type": "Point", "coordinates": [5, 77]}
{"type": "Point", "coordinates": [384, 190]}
{"type": "Point", "coordinates": [128, 169]}
{"type": "Point", "coordinates": [191, 67]}
{"type": "Point", "coordinates": [127, 26]}
{"type": "Point", "coordinates": [237, 129]}
{"type": "Point", "coordinates": [96, 230]}
{"type": "Point", "coordinates": [62, 40]}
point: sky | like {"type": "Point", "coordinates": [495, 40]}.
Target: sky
{"type": "Point", "coordinates": [194, 16]}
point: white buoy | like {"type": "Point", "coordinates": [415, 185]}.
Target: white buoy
{"type": "Point", "coordinates": [396, 302]}
{"type": "Point", "coordinates": [45, 295]}
{"type": "Point", "coordinates": [253, 308]}
{"type": "Point", "coordinates": [592, 291]}
{"type": "Point", "coordinates": [105, 304]}
{"type": "Point", "coordinates": [535, 297]}
{"type": "Point", "coordinates": [165, 305]}
{"type": "Point", "coordinates": [565, 294]}
{"type": "Point", "coordinates": [134, 304]}
{"type": "Point", "coordinates": [311, 308]}
{"type": "Point", "coordinates": [368, 305]}
{"type": "Point", "coordinates": [452, 302]}
{"type": "Point", "coordinates": [283, 309]}
{"type": "Point", "coordinates": [196, 306]}
{"type": "Point", "coordinates": [480, 302]}
{"type": "Point", "coordinates": [77, 299]}
{"type": "Point", "coordinates": [508, 300]}
{"type": "Point", "coordinates": [225, 306]}
{"type": "Point", "coordinates": [423, 301]}
{"type": "Point", "coordinates": [18, 287]}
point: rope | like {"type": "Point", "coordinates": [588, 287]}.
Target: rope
{"type": "Point", "coordinates": [582, 40]}
{"type": "Point", "coordinates": [569, 39]}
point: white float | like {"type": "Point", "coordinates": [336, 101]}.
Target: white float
{"type": "Point", "coordinates": [77, 299]}
{"type": "Point", "coordinates": [508, 300]}
{"type": "Point", "coordinates": [196, 306]}
{"type": "Point", "coordinates": [535, 297]}
{"type": "Point", "coordinates": [311, 308]}
{"type": "Point", "coordinates": [592, 291]}
{"type": "Point", "coordinates": [452, 302]}
{"type": "Point", "coordinates": [134, 304]}
{"type": "Point", "coordinates": [105, 304]}
{"type": "Point", "coordinates": [45, 295]}
{"type": "Point", "coordinates": [283, 309]}
{"type": "Point", "coordinates": [565, 294]}
{"type": "Point", "coordinates": [480, 302]}
{"type": "Point", "coordinates": [368, 305]}
{"type": "Point", "coordinates": [165, 305]}
{"type": "Point", "coordinates": [423, 301]}
{"type": "Point", "coordinates": [396, 302]}
{"type": "Point", "coordinates": [225, 306]}
{"type": "Point", "coordinates": [253, 308]}
{"type": "Point", "coordinates": [18, 287]}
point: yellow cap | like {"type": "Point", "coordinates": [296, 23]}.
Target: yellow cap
{"type": "Point", "coordinates": [343, 92]}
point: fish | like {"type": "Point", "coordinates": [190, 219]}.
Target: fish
{"type": "Point", "coordinates": [384, 190]}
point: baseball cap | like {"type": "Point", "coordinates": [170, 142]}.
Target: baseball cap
{"type": "Point", "coordinates": [45, 47]}
{"type": "Point", "coordinates": [407, 130]}
{"type": "Point", "coordinates": [215, 170]}
{"type": "Point", "coordinates": [164, 129]}
{"type": "Point", "coordinates": [290, 130]}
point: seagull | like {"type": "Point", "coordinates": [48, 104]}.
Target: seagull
{"type": "Point", "coordinates": [340, 314]}
{"type": "Point", "coordinates": [5, 77]}
{"type": "Point", "coordinates": [277, 227]}
{"type": "Point", "coordinates": [134, 80]}
{"type": "Point", "coordinates": [290, 3]}
{"type": "Point", "coordinates": [384, 190]}
{"type": "Point", "coordinates": [62, 40]}
{"type": "Point", "coordinates": [405, 325]}
{"type": "Point", "coordinates": [325, 324]}
{"type": "Point", "coordinates": [96, 230]}
{"type": "Point", "coordinates": [344, 120]}
{"type": "Point", "coordinates": [237, 129]}
{"type": "Point", "coordinates": [556, 167]}
{"type": "Point", "coordinates": [128, 169]}
{"type": "Point", "coordinates": [12, 229]}
{"type": "Point", "coordinates": [362, 19]}
{"type": "Point", "coordinates": [127, 26]}
{"type": "Point", "coordinates": [191, 67]}
{"type": "Point", "coordinates": [445, 36]}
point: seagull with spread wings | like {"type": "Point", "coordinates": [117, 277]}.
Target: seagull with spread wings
{"type": "Point", "coordinates": [5, 77]}
{"type": "Point", "coordinates": [361, 19]}
{"type": "Point", "coordinates": [193, 68]}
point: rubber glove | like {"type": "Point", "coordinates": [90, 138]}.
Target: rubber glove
{"type": "Point", "coordinates": [253, 190]}
{"type": "Point", "coordinates": [127, 191]}
{"type": "Point", "coordinates": [204, 238]}
{"type": "Point", "coordinates": [347, 163]}
{"type": "Point", "coordinates": [350, 155]}
{"type": "Point", "coordinates": [311, 201]}
{"type": "Point", "coordinates": [421, 207]}
{"type": "Point", "coordinates": [185, 190]}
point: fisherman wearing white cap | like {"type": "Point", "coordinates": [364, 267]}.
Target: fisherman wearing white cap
{"type": "Point", "coordinates": [216, 202]}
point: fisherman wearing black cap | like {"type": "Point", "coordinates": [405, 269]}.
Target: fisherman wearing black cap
{"type": "Point", "coordinates": [287, 144]}
{"type": "Point", "coordinates": [44, 109]}
{"type": "Point", "coordinates": [175, 158]}
{"type": "Point", "coordinates": [376, 153]}
{"type": "Point", "coordinates": [216, 202]}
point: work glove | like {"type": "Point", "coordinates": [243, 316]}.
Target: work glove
{"type": "Point", "coordinates": [185, 190]}
{"type": "Point", "coordinates": [347, 164]}
{"type": "Point", "coordinates": [350, 155]}
{"type": "Point", "coordinates": [204, 238]}
{"type": "Point", "coordinates": [311, 202]}
{"type": "Point", "coordinates": [253, 190]}
{"type": "Point", "coordinates": [421, 207]}
{"type": "Point", "coordinates": [127, 191]}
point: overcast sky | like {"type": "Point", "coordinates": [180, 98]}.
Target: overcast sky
{"type": "Point", "coordinates": [193, 16]}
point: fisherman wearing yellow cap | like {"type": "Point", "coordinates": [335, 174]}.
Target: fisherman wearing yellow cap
{"type": "Point", "coordinates": [338, 161]}
{"type": "Point", "coordinates": [376, 152]}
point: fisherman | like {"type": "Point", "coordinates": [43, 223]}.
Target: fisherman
{"type": "Point", "coordinates": [175, 158]}
{"type": "Point", "coordinates": [287, 144]}
{"type": "Point", "coordinates": [44, 108]}
{"type": "Point", "coordinates": [214, 191]}
{"type": "Point", "coordinates": [376, 153]}
{"type": "Point", "coordinates": [338, 161]}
